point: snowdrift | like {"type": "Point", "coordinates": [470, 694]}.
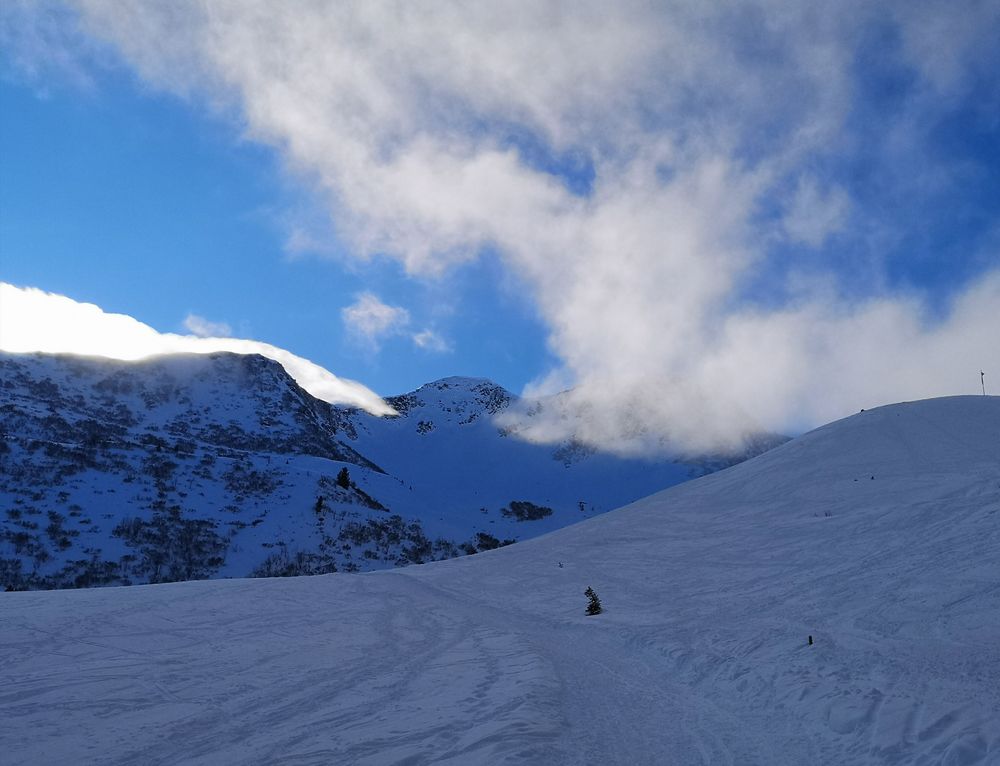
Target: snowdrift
{"type": "Point", "coordinates": [876, 535]}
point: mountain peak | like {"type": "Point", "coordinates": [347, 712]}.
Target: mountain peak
{"type": "Point", "coordinates": [457, 395]}
{"type": "Point", "coordinates": [460, 382]}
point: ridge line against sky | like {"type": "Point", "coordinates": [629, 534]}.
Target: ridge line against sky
{"type": "Point", "coordinates": [707, 219]}
{"type": "Point", "coordinates": [32, 320]}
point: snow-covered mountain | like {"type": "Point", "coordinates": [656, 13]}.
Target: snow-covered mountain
{"type": "Point", "coordinates": [193, 466]}
{"type": "Point", "coordinates": [876, 535]}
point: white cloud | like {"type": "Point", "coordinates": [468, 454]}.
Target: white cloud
{"type": "Point", "coordinates": [691, 115]}
{"type": "Point", "coordinates": [32, 320]}
{"type": "Point", "coordinates": [428, 340]}
{"type": "Point", "coordinates": [781, 370]}
{"type": "Point", "coordinates": [42, 47]}
{"type": "Point", "coordinates": [204, 328]}
{"type": "Point", "coordinates": [371, 321]}
{"type": "Point", "coordinates": [815, 214]}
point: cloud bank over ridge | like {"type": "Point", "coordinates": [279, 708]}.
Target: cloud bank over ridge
{"type": "Point", "coordinates": [33, 320]}
{"type": "Point", "coordinates": [669, 181]}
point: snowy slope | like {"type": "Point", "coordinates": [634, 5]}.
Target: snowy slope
{"type": "Point", "coordinates": [179, 467]}
{"type": "Point", "coordinates": [192, 466]}
{"type": "Point", "coordinates": [877, 535]}
{"type": "Point", "coordinates": [461, 463]}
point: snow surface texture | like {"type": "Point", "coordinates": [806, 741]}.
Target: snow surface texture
{"type": "Point", "coordinates": [877, 535]}
{"type": "Point", "coordinates": [187, 467]}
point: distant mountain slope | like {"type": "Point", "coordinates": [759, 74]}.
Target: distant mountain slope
{"type": "Point", "coordinates": [876, 535]}
{"type": "Point", "coordinates": [459, 461]}
{"type": "Point", "coordinates": [190, 466]}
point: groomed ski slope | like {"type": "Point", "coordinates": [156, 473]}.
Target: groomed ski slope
{"type": "Point", "coordinates": [879, 535]}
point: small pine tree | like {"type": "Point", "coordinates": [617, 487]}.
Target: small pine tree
{"type": "Point", "coordinates": [344, 478]}
{"type": "Point", "coordinates": [319, 508]}
{"type": "Point", "coordinates": [594, 606]}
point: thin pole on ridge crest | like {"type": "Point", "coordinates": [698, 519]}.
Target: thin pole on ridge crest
{"type": "Point", "coordinates": [982, 381]}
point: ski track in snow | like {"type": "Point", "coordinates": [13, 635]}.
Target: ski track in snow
{"type": "Point", "coordinates": [710, 590]}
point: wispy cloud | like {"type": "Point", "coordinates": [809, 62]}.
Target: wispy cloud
{"type": "Point", "coordinates": [35, 321]}
{"type": "Point", "coordinates": [42, 45]}
{"type": "Point", "coordinates": [370, 321]}
{"type": "Point", "coordinates": [814, 214]}
{"type": "Point", "coordinates": [428, 340]}
{"type": "Point", "coordinates": [435, 130]}
{"type": "Point", "coordinates": [204, 328]}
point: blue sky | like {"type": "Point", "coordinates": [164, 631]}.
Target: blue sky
{"type": "Point", "coordinates": [642, 202]}
{"type": "Point", "coordinates": [134, 201]}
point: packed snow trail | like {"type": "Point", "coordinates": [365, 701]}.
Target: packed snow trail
{"type": "Point", "coordinates": [877, 535]}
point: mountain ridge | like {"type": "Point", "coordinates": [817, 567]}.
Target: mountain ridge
{"type": "Point", "coordinates": [189, 466]}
